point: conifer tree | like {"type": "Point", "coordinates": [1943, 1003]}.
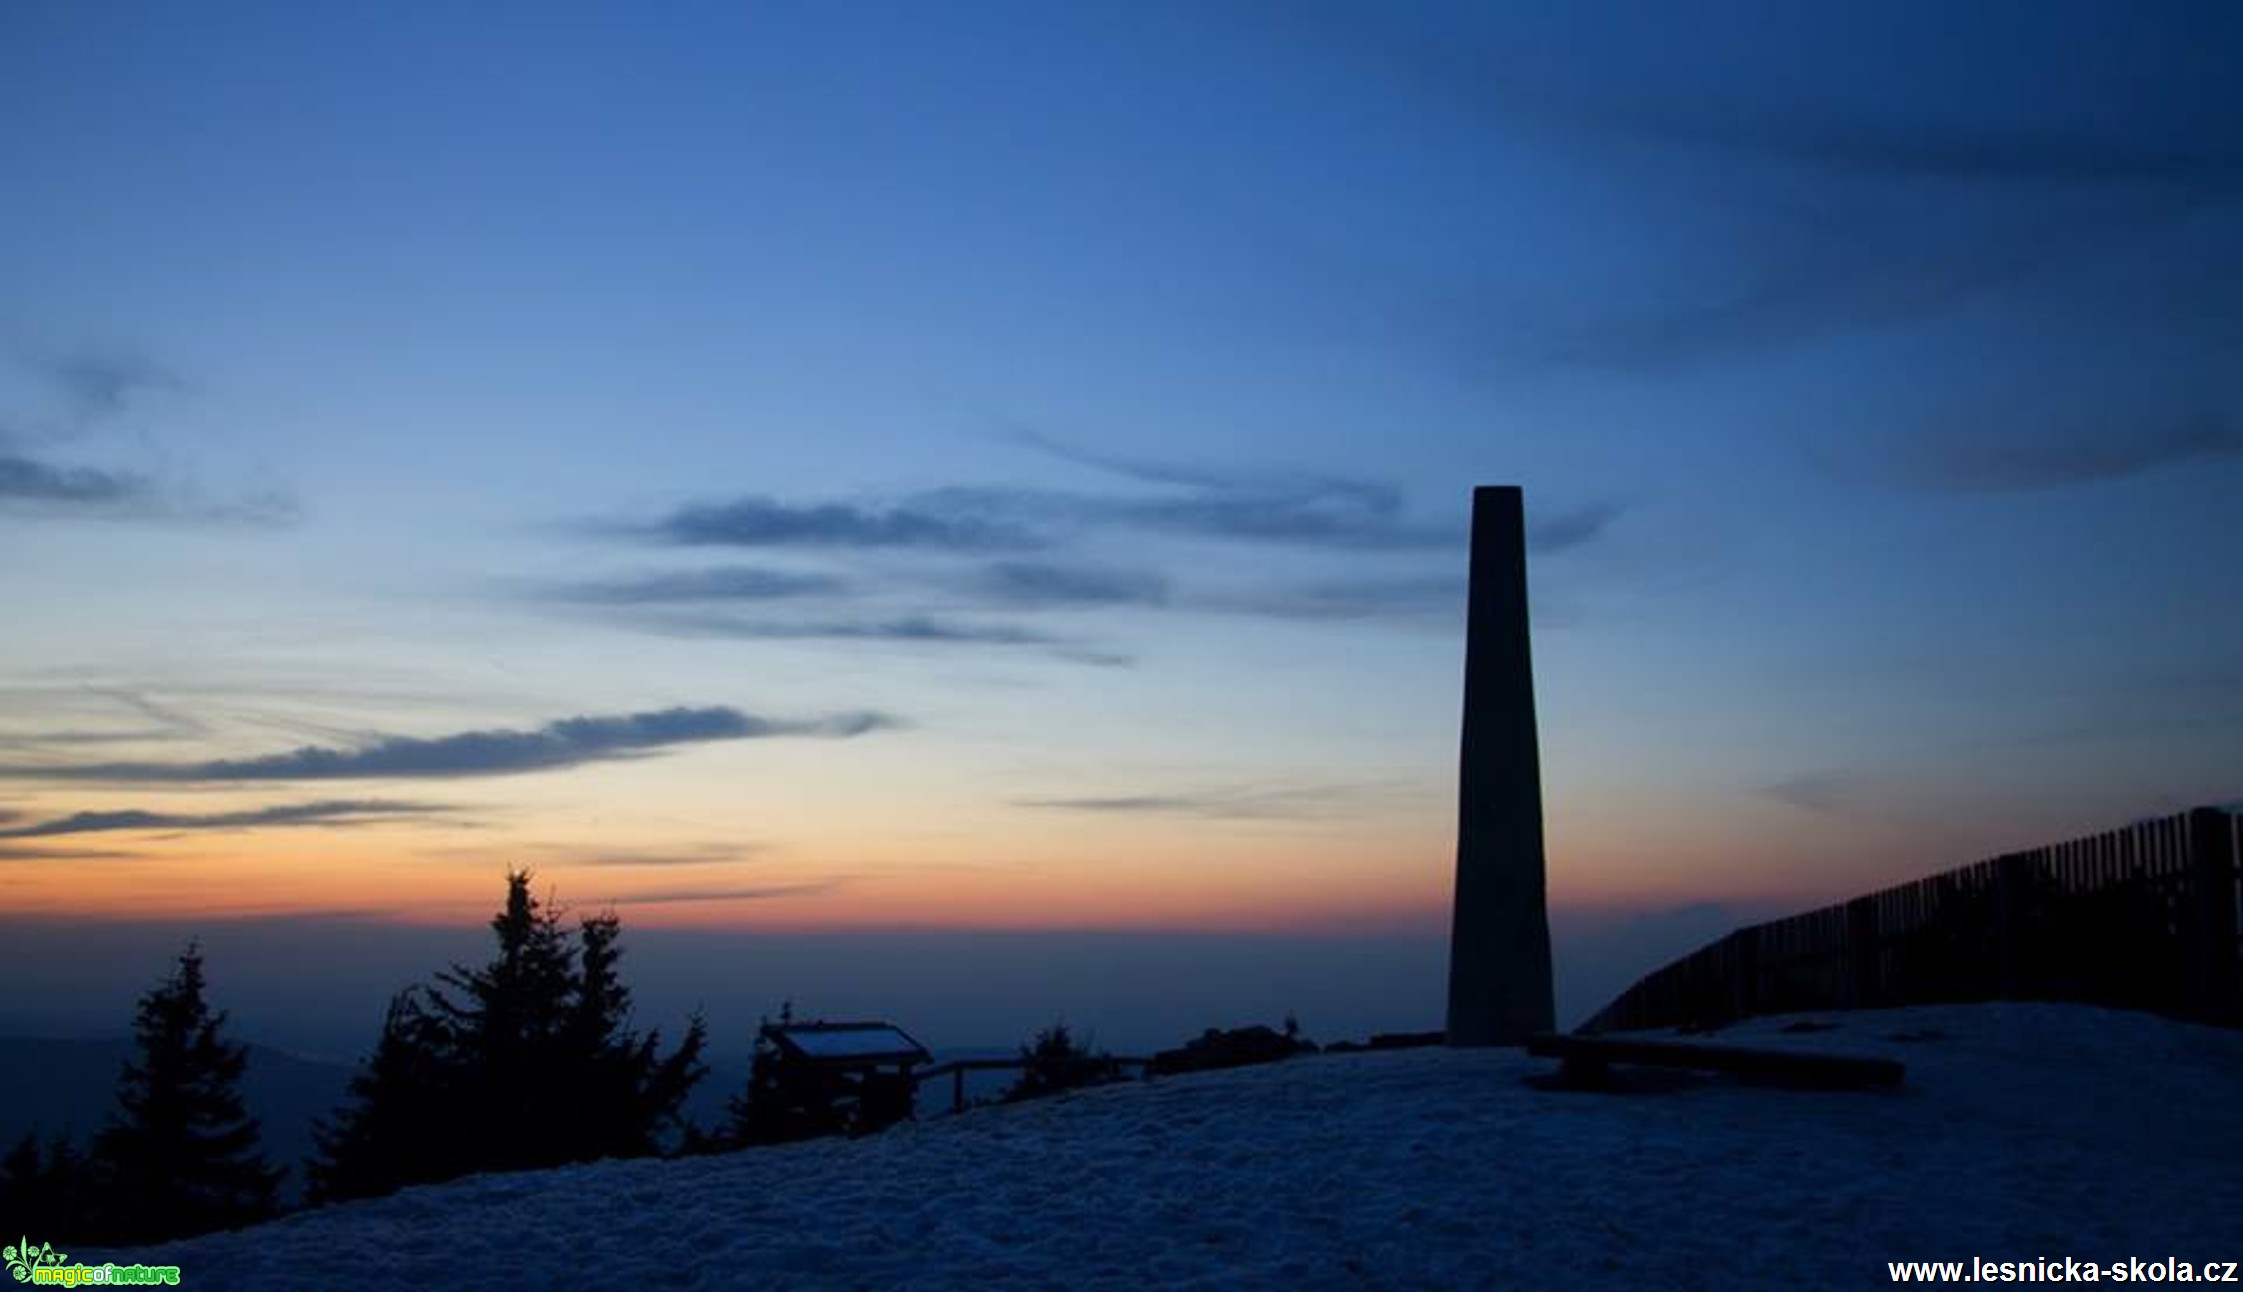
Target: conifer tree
{"type": "Point", "coordinates": [399, 1127]}
{"type": "Point", "coordinates": [49, 1190]}
{"type": "Point", "coordinates": [526, 1061]}
{"type": "Point", "coordinates": [506, 1028]}
{"type": "Point", "coordinates": [622, 1090]}
{"type": "Point", "coordinates": [180, 1155]}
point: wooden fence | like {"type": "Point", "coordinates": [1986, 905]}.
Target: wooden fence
{"type": "Point", "coordinates": [956, 1070]}
{"type": "Point", "coordinates": [2146, 917]}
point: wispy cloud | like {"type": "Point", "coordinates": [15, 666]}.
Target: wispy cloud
{"type": "Point", "coordinates": [1221, 803]}
{"type": "Point", "coordinates": [30, 482]}
{"type": "Point", "coordinates": [1821, 794]}
{"type": "Point", "coordinates": [1008, 552]}
{"type": "Point", "coordinates": [17, 852]}
{"type": "Point", "coordinates": [1419, 597]}
{"type": "Point", "coordinates": [167, 724]}
{"type": "Point", "coordinates": [1982, 461]}
{"type": "Point", "coordinates": [714, 854]}
{"type": "Point", "coordinates": [40, 487]}
{"type": "Point", "coordinates": [725, 583]}
{"type": "Point", "coordinates": [1030, 585]}
{"type": "Point", "coordinates": [1264, 506]}
{"type": "Point", "coordinates": [99, 383]}
{"type": "Point", "coordinates": [1807, 135]}
{"type": "Point", "coordinates": [912, 630]}
{"type": "Point", "coordinates": [1834, 211]}
{"type": "Point", "coordinates": [1565, 530]}
{"type": "Point", "coordinates": [1270, 505]}
{"type": "Point", "coordinates": [334, 812]}
{"type": "Point", "coordinates": [767, 522]}
{"type": "Point", "coordinates": [495, 752]}
{"type": "Point", "coordinates": [729, 893]}
{"type": "Point", "coordinates": [98, 388]}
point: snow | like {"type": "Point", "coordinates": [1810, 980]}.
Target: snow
{"type": "Point", "coordinates": [2024, 1131]}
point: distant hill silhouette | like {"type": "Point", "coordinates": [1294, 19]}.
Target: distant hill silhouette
{"type": "Point", "coordinates": [53, 1087]}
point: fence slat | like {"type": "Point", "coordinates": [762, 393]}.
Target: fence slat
{"type": "Point", "coordinates": [2147, 916]}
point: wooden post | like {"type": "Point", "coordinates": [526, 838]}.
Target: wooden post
{"type": "Point", "coordinates": [1744, 1000]}
{"type": "Point", "coordinates": [1862, 962]}
{"type": "Point", "coordinates": [2212, 880]}
{"type": "Point", "coordinates": [1500, 989]}
{"type": "Point", "coordinates": [2009, 923]}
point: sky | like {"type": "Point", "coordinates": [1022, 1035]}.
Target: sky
{"type": "Point", "coordinates": [919, 484]}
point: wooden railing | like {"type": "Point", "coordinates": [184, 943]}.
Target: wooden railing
{"type": "Point", "coordinates": [956, 1070]}
{"type": "Point", "coordinates": [2144, 917]}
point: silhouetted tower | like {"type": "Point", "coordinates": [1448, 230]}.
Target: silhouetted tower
{"type": "Point", "coordinates": [1499, 942]}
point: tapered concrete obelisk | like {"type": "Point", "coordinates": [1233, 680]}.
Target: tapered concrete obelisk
{"type": "Point", "coordinates": [1499, 943]}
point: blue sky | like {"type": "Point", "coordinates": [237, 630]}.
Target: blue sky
{"type": "Point", "coordinates": [1004, 465]}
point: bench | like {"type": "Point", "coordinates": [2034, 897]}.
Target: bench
{"type": "Point", "coordinates": [1586, 1062]}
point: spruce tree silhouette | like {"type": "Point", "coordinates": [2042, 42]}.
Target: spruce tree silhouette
{"type": "Point", "coordinates": [399, 1126]}
{"type": "Point", "coordinates": [507, 1031]}
{"type": "Point", "coordinates": [1055, 1061]}
{"type": "Point", "coordinates": [527, 1061]}
{"type": "Point", "coordinates": [49, 1190]}
{"type": "Point", "coordinates": [180, 1155]}
{"type": "Point", "coordinates": [785, 1102]}
{"type": "Point", "coordinates": [621, 1090]}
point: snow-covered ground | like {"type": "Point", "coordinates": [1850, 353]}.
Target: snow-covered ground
{"type": "Point", "coordinates": [2024, 1131]}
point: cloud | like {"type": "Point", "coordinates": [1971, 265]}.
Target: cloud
{"type": "Point", "coordinates": [1434, 595]}
{"type": "Point", "coordinates": [1303, 802]}
{"type": "Point", "coordinates": [1272, 505]}
{"type": "Point", "coordinates": [1267, 506]}
{"type": "Point", "coordinates": [98, 387]}
{"type": "Point", "coordinates": [1570, 529]}
{"type": "Point", "coordinates": [335, 812]}
{"type": "Point", "coordinates": [100, 383]}
{"type": "Point", "coordinates": [169, 724]}
{"type": "Point", "coordinates": [1300, 511]}
{"type": "Point", "coordinates": [40, 487]}
{"type": "Point", "coordinates": [12, 852]}
{"type": "Point", "coordinates": [721, 893]}
{"type": "Point", "coordinates": [766, 522]}
{"type": "Point", "coordinates": [1799, 134]}
{"type": "Point", "coordinates": [29, 481]}
{"type": "Point", "coordinates": [496, 752]}
{"type": "Point", "coordinates": [1982, 462]}
{"type": "Point", "coordinates": [1034, 585]}
{"type": "Point", "coordinates": [1316, 511]}
{"type": "Point", "coordinates": [715, 854]}
{"type": "Point", "coordinates": [1824, 795]}
{"type": "Point", "coordinates": [1837, 207]}
{"type": "Point", "coordinates": [924, 630]}
{"type": "Point", "coordinates": [725, 583]}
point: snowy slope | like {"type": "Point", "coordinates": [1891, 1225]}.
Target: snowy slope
{"type": "Point", "coordinates": [2025, 1131]}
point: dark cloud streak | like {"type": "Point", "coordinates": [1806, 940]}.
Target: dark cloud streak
{"type": "Point", "coordinates": [1281, 803]}
{"type": "Point", "coordinates": [766, 522]}
{"type": "Point", "coordinates": [721, 893]}
{"type": "Point", "coordinates": [329, 813]}
{"type": "Point", "coordinates": [569, 742]}
{"type": "Point", "coordinates": [29, 481]}
{"type": "Point", "coordinates": [728, 583]}
{"type": "Point", "coordinates": [922, 630]}
{"type": "Point", "coordinates": [1981, 462]}
{"type": "Point", "coordinates": [1034, 585]}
